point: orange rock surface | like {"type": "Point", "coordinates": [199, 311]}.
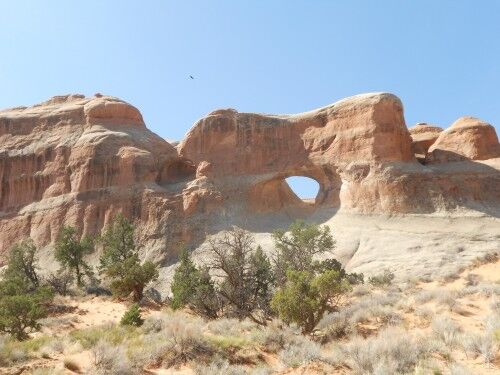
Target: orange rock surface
{"type": "Point", "coordinates": [468, 138]}
{"type": "Point", "coordinates": [76, 160]}
{"type": "Point", "coordinates": [423, 136]}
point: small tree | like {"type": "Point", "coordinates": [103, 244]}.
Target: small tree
{"type": "Point", "coordinates": [185, 282]}
{"type": "Point", "coordinates": [117, 242]}
{"type": "Point", "coordinates": [334, 265]}
{"type": "Point", "coordinates": [61, 282]}
{"type": "Point", "coordinates": [206, 301]}
{"type": "Point", "coordinates": [245, 274]}
{"type": "Point", "coordinates": [20, 308]}
{"type": "Point", "coordinates": [261, 280]}
{"type": "Point", "coordinates": [132, 316]}
{"type": "Point", "coordinates": [297, 249]}
{"type": "Point", "coordinates": [194, 288]}
{"type": "Point", "coordinates": [131, 277]}
{"type": "Point", "coordinates": [305, 298]}
{"type": "Point", "coordinates": [120, 261]}
{"type": "Point", "coordinates": [71, 252]}
{"type": "Point", "coordinates": [22, 263]}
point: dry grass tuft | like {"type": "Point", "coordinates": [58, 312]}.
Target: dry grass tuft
{"type": "Point", "coordinates": [393, 351]}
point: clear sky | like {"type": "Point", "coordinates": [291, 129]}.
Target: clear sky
{"type": "Point", "coordinates": [442, 58]}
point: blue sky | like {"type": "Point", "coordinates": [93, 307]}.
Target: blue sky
{"type": "Point", "coordinates": [440, 57]}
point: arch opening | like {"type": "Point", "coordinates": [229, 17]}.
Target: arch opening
{"type": "Point", "coordinates": [305, 188]}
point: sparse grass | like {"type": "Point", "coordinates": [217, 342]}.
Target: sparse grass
{"type": "Point", "coordinates": [447, 331]}
{"type": "Point", "coordinates": [223, 346]}
{"type": "Point", "coordinates": [376, 308]}
{"type": "Point", "coordinates": [111, 333]}
{"type": "Point", "coordinates": [110, 359]}
{"type": "Point", "coordinates": [275, 336]}
{"type": "Point", "coordinates": [181, 340]}
{"type": "Point", "coordinates": [300, 352]}
{"type": "Point", "coordinates": [424, 313]}
{"type": "Point", "coordinates": [490, 257]}
{"type": "Point", "coordinates": [393, 351]}
{"type": "Point", "coordinates": [383, 279]}
{"type": "Point", "coordinates": [219, 367]}
{"type": "Point", "coordinates": [483, 344]}
{"type": "Point", "coordinates": [12, 351]}
{"type": "Point", "coordinates": [228, 342]}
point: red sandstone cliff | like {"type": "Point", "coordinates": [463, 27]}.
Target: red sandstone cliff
{"type": "Point", "coordinates": [78, 161]}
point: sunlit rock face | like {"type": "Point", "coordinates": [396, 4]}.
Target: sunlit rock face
{"type": "Point", "coordinates": [423, 136]}
{"type": "Point", "coordinates": [468, 138]}
{"type": "Point", "coordinates": [76, 160]}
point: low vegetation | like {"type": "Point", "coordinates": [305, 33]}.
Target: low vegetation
{"type": "Point", "coordinates": [243, 311]}
{"type": "Point", "coordinates": [132, 316]}
{"type": "Point", "coordinates": [247, 284]}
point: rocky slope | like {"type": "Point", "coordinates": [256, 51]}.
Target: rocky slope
{"type": "Point", "coordinates": [78, 161]}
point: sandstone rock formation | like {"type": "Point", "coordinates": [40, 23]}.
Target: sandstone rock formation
{"type": "Point", "coordinates": [468, 138]}
{"type": "Point", "coordinates": [78, 161]}
{"type": "Point", "coordinates": [423, 136]}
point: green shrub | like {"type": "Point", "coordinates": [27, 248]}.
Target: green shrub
{"type": "Point", "coordinates": [193, 287]}
{"type": "Point", "coordinates": [132, 316]}
{"type": "Point", "coordinates": [296, 250]}
{"type": "Point", "coordinates": [20, 309]}
{"type": "Point", "coordinates": [305, 298]}
{"type": "Point", "coordinates": [22, 263]}
{"type": "Point", "coordinates": [120, 261]}
{"type": "Point", "coordinates": [185, 281]}
{"type": "Point", "coordinates": [71, 252]}
{"type": "Point", "coordinates": [132, 277]}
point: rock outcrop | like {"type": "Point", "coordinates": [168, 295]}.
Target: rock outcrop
{"type": "Point", "coordinates": [423, 136]}
{"type": "Point", "coordinates": [79, 161]}
{"type": "Point", "coordinates": [468, 138]}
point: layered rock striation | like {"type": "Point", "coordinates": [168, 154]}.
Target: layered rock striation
{"type": "Point", "coordinates": [79, 161]}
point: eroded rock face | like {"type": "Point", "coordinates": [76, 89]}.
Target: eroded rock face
{"type": "Point", "coordinates": [468, 138]}
{"type": "Point", "coordinates": [359, 150]}
{"type": "Point", "coordinates": [79, 161]}
{"type": "Point", "coordinates": [320, 144]}
{"type": "Point", "coordinates": [423, 136]}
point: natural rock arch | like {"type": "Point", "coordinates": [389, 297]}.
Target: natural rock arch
{"type": "Point", "coordinates": [274, 194]}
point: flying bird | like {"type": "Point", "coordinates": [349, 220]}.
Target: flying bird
{"type": "Point", "coordinates": [191, 77]}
